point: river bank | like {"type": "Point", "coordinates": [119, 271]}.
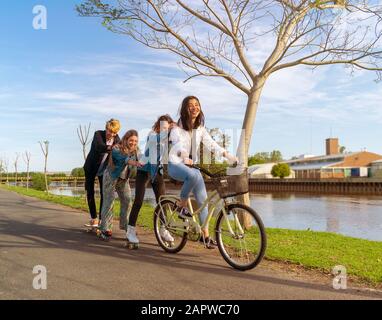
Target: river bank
{"type": "Point", "coordinates": [348, 186]}
{"type": "Point", "coordinates": [319, 251]}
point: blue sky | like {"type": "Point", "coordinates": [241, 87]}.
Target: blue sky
{"type": "Point", "coordinates": [77, 72]}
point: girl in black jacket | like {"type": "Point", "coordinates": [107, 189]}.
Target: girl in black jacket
{"type": "Point", "coordinates": [96, 161]}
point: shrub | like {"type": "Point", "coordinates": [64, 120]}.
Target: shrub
{"type": "Point", "coordinates": [38, 181]}
{"type": "Point", "coordinates": [280, 170]}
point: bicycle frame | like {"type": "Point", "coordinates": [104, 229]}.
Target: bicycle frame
{"type": "Point", "coordinates": [214, 202]}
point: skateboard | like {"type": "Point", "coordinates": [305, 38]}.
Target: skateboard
{"type": "Point", "coordinates": [90, 228]}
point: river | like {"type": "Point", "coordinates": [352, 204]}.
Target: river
{"type": "Point", "coordinates": [355, 216]}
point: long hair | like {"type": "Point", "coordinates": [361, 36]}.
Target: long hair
{"type": "Point", "coordinates": [185, 118]}
{"type": "Point", "coordinates": [164, 117]}
{"type": "Point", "coordinates": [122, 145]}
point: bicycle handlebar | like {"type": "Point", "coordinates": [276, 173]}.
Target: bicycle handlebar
{"type": "Point", "coordinates": [208, 173]}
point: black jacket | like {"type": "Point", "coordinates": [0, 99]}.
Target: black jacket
{"type": "Point", "coordinates": [97, 151]}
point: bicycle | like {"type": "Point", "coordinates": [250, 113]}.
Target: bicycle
{"type": "Point", "coordinates": [241, 247]}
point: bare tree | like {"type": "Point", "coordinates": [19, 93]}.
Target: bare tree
{"type": "Point", "coordinates": [83, 136]}
{"type": "Point", "coordinates": [15, 164]}
{"type": "Point", "coordinates": [224, 38]}
{"type": "Point", "coordinates": [45, 150]}
{"type": "Point", "coordinates": [27, 159]}
{"type": "Point", "coordinates": [1, 169]}
{"type": "Point", "coordinates": [5, 167]}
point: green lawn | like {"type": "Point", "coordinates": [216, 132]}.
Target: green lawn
{"type": "Point", "coordinates": [318, 250]}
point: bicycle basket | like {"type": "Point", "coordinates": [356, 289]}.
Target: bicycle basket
{"type": "Point", "coordinates": [231, 186]}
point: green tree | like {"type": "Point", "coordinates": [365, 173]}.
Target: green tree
{"type": "Point", "coordinates": [256, 159]}
{"type": "Point", "coordinates": [275, 156]}
{"type": "Point", "coordinates": [265, 157]}
{"type": "Point", "coordinates": [78, 172]}
{"type": "Point", "coordinates": [57, 175]}
{"type": "Point", "coordinates": [280, 170]}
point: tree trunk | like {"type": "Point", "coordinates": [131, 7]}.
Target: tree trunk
{"type": "Point", "coordinates": [28, 177]}
{"type": "Point", "coordinates": [245, 138]}
{"type": "Point", "coordinates": [45, 174]}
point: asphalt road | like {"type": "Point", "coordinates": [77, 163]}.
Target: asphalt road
{"type": "Point", "coordinates": [80, 266]}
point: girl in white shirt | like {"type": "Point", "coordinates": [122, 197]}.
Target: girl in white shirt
{"type": "Point", "coordinates": [185, 140]}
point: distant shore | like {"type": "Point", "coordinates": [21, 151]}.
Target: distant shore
{"type": "Point", "coordinates": [348, 186]}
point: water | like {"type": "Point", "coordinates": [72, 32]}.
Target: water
{"type": "Point", "coordinates": [355, 216]}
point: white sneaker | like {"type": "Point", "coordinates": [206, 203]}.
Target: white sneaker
{"type": "Point", "coordinates": [165, 234]}
{"type": "Point", "coordinates": [131, 235]}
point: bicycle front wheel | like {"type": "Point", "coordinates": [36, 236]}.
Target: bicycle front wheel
{"type": "Point", "coordinates": [242, 248]}
{"type": "Point", "coordinates": [170, 230]}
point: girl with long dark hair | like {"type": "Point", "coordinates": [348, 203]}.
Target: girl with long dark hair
{"type": "Point", "coordinates": [153, 160]}
{"type": "Point", "coordinates": [186, 139]}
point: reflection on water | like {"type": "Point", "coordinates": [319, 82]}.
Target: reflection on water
{"type": "Point", "coordinates": [355, 216]}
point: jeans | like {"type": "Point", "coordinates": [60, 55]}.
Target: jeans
{"type": "Point", "coordinates": [122, 187]}
{"type": "Point", "coordinates": [193, 182]}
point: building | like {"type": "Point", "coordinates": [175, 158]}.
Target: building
{"type": "Point", "coordinates": [376, 169]}
{"type": "Point", "coordinates": [263, 171]}
{"type": "Point", "coordinates": [335, 165]}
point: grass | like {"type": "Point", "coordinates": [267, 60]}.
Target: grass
{"type": "Point", "coordinates": [310, 249]}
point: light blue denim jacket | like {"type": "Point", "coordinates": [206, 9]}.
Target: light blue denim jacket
{"type": "Point", "coordinates": [120, 162]}
{"type": "Point", "coordinates": [155, 150]}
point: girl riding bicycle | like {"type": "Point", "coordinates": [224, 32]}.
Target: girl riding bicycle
{"type": "Point", "coordinates": [185, 140]}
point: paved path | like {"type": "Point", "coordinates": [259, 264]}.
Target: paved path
{"type": "Point", "coordinates": [80, 266]}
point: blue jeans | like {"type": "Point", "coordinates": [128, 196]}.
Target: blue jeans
{"type": "Point", "coordinates": [193, 182]}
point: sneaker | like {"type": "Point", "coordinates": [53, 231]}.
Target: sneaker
{"type": "Point", "coordinates": [183, 212]}
{"type": "Point", "coordinates": [94, 223]}
{"type": "Point", "coordinates": [208, 242]}
{"type": "Point", "coordinates": [165, 234]}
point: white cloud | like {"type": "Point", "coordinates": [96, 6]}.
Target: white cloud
{"type": "Point", "coordinates": [58, 95]}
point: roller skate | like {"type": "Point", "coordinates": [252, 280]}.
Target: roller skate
{"type": "Point", "coordinates": [104, 235]}
{"type": "Point", "coordinates": [132, 242]}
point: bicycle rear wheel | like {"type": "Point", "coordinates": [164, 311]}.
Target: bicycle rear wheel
{"type": "Point", "coordinates": [241, 248]}
{"type": "Point", "coordinates": [166, 219]}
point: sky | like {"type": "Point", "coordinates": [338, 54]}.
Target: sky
{"type": "Point", "coordinates": [77, 72]}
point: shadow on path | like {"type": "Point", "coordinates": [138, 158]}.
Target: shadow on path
{"type": "Point", "coordinates": [40, 234]}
